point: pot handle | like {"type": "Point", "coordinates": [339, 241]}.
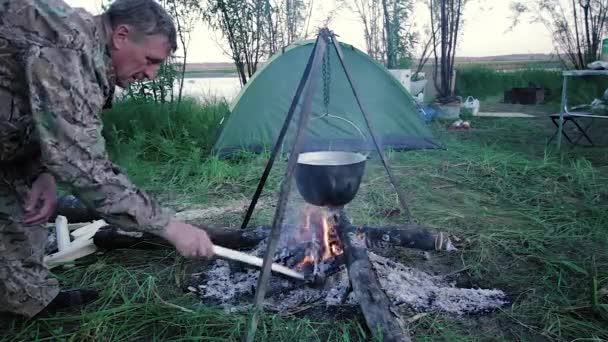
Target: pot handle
{"type": "Point", "coordinates": [347, 121]}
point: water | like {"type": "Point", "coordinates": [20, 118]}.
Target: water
{"type": "Point", "coordinates": [209, 87]}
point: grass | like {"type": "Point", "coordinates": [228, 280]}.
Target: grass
{"type": "Point", "coordinates": [535, 220]}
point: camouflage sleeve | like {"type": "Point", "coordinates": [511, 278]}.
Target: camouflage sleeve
{"type": "Point", "coordinates": [66, 100]}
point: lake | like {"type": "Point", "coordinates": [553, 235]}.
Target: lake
{"type": "Point", "coordinates": [210, 87]}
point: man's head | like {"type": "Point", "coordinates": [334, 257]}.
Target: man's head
{"type": "Point", "coordinates": [142, 36]}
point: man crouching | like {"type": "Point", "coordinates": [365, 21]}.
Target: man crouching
{"type": "Point", "coordinates": [58, 68]}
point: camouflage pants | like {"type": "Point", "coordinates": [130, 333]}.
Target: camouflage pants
{"type": "Point", "coordinates": [25, 288]}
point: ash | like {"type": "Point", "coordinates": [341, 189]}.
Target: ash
{"type": "Point", "coordinates": [423, 292]}
{"type": "Point", "coordinates": [232, 286]}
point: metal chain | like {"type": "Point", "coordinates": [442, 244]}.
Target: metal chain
{"type": "Point", "coordinates": [326, 81]}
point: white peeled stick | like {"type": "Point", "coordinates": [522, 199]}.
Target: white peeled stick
{"type": "Point", "coordinates": [255, 261]}
{"type": "Point", "coordinates": [68, 251]}
{"type": "Point", "coordinates": [62, 232]}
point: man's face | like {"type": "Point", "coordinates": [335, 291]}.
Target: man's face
{"type": "Point", "coordinates": [136, 57]}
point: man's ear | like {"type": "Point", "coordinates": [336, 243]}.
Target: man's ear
{"type": "Point", "coordinates": [120, 35]}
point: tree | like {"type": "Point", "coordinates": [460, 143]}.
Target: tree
{"type": "Point", "coordinates": [186, 14]}
{"type": "Point", "coordinates": [287, 21]}
{"type": "Point", "coordinates": [256, 29]}
{"type": "Point", "coordinates": [387, 28]}
{"type": "Point", "coordinates": [371, 16]}
{"type": "Point", "coordinates": [425, 50]}
{"type": "Point", "coordinates": [577, 26]}
{"type": "Point", "coordinates": [448, 15]}
{"type": "Point", "coordinates": [241, 22]}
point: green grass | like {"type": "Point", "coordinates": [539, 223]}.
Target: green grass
{"type": "Point", "coordinates": [484, 83]}
{"type": "Point", "coordinates": [536, 220]}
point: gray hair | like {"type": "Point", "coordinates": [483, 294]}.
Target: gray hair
{"type": "Point", "coordinates": [146, 16]}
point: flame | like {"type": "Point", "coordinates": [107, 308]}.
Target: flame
{"type": "Point", "coordinates": [308, 259]}
{"type": "Point", "coordinates": [326, 243]}
{"type": "Point", "coordinates": [317, 226]}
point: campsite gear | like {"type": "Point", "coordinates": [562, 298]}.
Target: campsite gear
{"type": "Point", "coordinates": [598, 65]}
{"type": "Point", "coordinates": [329, 179]}
{"type": "Point", "coordinates": [472, 104]}
{"type": "Point", "coordinates": [565, 116]}
{"type": "Point", "coordinates": [449, 110]}
{"type": "Point", "coordinates": [254, 261]}
{"type": "Point", "coordinates": [530, 95]}
{"type": "Point", "coordinates": [416, 134]}
{"type": "Point", "coordinates": [259, 110]}
{"type": "Point", "coordinates": [427, 113]}
{"type": "Point", "coordinates": [573, 117]}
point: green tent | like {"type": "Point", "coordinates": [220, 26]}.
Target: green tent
{"type": "Point", "coordinates": [259, 111]}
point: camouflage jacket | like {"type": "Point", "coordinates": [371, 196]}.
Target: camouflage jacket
{"type": "Point", "coordinates": [55, 77]}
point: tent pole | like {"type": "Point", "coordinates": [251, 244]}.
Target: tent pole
{"type": "Point", "coordinates": [392, 179]}
{"type": "Point", "coordinates": [308, 79]}
{"type": "Point", "coordinates": [279, 142]}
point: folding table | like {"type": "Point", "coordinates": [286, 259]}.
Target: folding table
{"type": "Point", "coordinates": [565, 116]}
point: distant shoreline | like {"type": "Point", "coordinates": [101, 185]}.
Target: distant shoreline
{"type": "Point", "coordinates": [215, 70]}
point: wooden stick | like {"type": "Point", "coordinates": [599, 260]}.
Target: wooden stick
{"type": "Point", "coordinates": [255, 261]}
{"type": "Point", "coordinates": [62, 233]}
{"type": "Point", "coordinates": [86, 230]}
{"type": "Point", "coordinates": [377, 309]}
{"type": "Point", "coordinates": [74, 251]}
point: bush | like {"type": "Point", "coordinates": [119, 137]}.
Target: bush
{"type": "Point", "coordinates": [483, 83]}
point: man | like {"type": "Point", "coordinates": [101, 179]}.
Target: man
{"type": "Point", "coordinates": [58, 68]}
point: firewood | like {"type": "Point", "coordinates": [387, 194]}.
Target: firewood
{"type": "Point", "coordinates": [62, 233]}
{"type": "Point", "coordinates": [74, 251]}
{"type": "Point", "coordinates": [377, 309]}
{"type": "Point", "coordinates": [411, 236]}
{"type": "Point", "coordinates": [86, 230]}
{"type": "Point", "coordinates": [408, 236]}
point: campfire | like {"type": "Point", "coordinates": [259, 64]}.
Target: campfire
{"type": "Point", "coordinates": [340, 272]}
{"type": "Point", "coordinates": [312, 245]}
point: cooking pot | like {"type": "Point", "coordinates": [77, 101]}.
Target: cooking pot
{"type": "Point", "coordinates": [329, 178]}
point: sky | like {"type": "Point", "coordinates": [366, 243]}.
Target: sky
{"type": "Point", "coordinates": [485, 32]}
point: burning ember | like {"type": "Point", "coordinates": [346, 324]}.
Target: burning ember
{"type": "Point", "coordinates": [318, 230]}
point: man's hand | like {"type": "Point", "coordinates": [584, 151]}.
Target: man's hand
{"type": "Point", "coordinates": [189, 240]}
{"type": "Point", "coordinates": [41, 201]}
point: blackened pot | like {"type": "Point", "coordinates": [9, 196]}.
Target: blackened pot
{"type": "Point", "coordinates": [329, 178]}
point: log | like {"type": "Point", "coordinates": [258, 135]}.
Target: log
{"type": "Point", "coordinates": [408, 236]}
{"type": "Point", "coordinates": [111, 237]}
{"type": "Point", "coordinates": [377, 309]}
